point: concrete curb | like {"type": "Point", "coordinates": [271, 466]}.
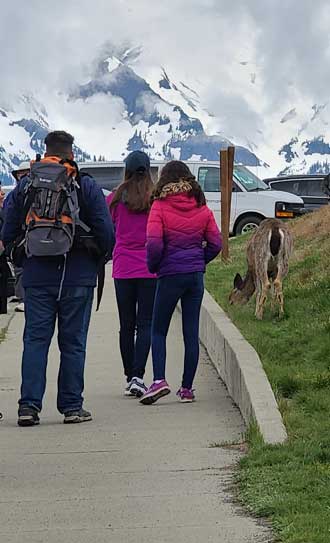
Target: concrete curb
{"type": "Point", "coordinates": [240, 368]}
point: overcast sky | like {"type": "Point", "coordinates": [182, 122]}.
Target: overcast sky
{"type": "Point", "coordinates": [254, 59]}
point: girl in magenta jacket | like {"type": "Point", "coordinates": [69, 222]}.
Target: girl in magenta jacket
{"type": "Point", "coordinates": [135, 286]}
{"type": "Point", "coordinates": [182, 237]}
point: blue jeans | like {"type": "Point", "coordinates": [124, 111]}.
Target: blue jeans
{"type": "Point", "coordinates": [73, 313]}
{"type": "Point", "coordinates": [19, 290]}
{"type": "Point", "coordinates": [135, 300]}
{"type": "Point", "coordinates": [189, 288]}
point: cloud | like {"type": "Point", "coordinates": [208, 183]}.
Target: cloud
{"type": "Point", "coordinates": [234, 115]}
{"type": "Point", "coordinates": [92, 122]}
{"type": "Point", "coordinates": [217, 44]}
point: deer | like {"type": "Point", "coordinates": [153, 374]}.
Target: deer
{"type": "Point", "coordinates": [268, 253]}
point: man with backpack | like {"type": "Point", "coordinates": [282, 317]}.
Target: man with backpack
{"type": "Point", "coordinates": [59, 229]}
{"type": "Point", "coordinates": [19, 173]}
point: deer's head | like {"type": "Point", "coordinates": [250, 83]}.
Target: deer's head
{"type": "Point", "coordinates": [242, 291]}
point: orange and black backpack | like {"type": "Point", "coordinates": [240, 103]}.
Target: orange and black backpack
{"type": "Point", "coordinates": [51, 208]}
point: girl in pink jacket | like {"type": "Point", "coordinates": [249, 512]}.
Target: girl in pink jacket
{"type": "Point", "coordinates": [182, 237]}
{"type": "Point", "coordinates": [135, 286]}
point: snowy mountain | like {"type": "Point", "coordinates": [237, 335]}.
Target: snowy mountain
{"type": "Point", "coordinates": [120, 107]}
{"type": "Point", "coordinates": [309, 156]}
{"type": "Point", "coordinates": [308, 151]}
{"type": "Point", "coordinates": [23, 129]}
{"type": "Point", "coordinates": [114, 112]}
{"type": "Point", "coordinates": [158, 125]}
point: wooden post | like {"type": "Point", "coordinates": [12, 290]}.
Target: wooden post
{"type": "Point", "coordinates": [226, 187]}
{"type": "Point", "coordinates": [224, 202]}
{"type": "Point", "coordinates": [231, 155]}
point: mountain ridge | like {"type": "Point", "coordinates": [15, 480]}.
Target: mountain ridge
{"type": "Point", "coordinates": [117, 110]}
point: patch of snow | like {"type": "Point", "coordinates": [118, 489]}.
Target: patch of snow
{"type": "Point", "coordinates": [113, 63]}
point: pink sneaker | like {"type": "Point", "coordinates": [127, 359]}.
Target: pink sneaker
{"type": "Point", "coordinates": [154, 392]}
{"type": "Point", "coordinates": [186, 395]}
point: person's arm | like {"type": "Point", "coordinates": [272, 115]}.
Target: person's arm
{"type": "Point", "coordinates": [13, 208]}
{"type": "Point", "coordinates": [2, 220]}
{"type": "Point", "coordinates": [112, 210]}
{"type": "Point", "coordinates": [98, 216]}
{"type": "Point", "coordinates": [155, 237]}
{"type": "Point", "coordinates": [213, 239]}
{"type": "Point", "coordinates": [2, 216]}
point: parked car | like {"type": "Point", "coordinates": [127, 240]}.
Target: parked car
{"type": "Point", "coordinates": [252, 199]}
{"type": "Point", "coordinates": [308, 187]}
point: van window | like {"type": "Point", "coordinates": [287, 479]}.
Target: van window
{"type": "Point", "coordinates": [301, 187]}
{"type": "Point", "coordinates": [209, 179]}
{"type": "Point", "coordinates": [107, 178]}
{"type": "Point", "coordinates": [311, 187]}
{"type": "Point", "coordinates": [249, 181]}
{"type": "Point", "coordinates": [154, 173]}
{"type": "Point", "coordinates": [286, 186]}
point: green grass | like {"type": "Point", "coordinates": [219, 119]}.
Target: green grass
{"type": "Point", "coordinates": [290, 484]}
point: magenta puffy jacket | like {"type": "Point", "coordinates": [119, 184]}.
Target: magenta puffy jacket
{"type": "Point", "coordinates": [181, 237]}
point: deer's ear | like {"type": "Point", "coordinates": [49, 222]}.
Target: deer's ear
{"type": "Point", "coordinates": [238, 282]}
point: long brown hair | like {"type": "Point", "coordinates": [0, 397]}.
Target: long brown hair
{"type": "Point", "coordinates": [174, 172]}
{"type": "Point", "coordinates": [135, 191]}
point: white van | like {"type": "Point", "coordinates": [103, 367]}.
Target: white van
{"type": "Point", "coordinates": [252, 199]}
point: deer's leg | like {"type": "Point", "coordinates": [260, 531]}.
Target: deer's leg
{"type": "Point", "coordinates": [261, 302]}
{"type": "Point", "coordinates": [263, 287]}
{"type": "Point", "coordinates": [258, 305]}
{"type": "Point", "coordinates": [281, 272]}
{"type": "Point", "coordinates": [273, 295]}
{"type": "Point", "coordinates": [279, 294]}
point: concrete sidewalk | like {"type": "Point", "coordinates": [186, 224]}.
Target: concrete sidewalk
{"type": "Point", "coordinates": [134, 474]}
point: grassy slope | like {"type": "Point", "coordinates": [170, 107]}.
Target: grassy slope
{"type": "Point", "coordinates": [291, 483]}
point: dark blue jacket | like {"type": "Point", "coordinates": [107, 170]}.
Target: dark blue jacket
{"type": "Point", "coordinates": [81, 268]}
{"type": "Point", "coordinates": [2, 219]}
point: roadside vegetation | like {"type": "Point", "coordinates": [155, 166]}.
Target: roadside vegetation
{"type": "Point", "coordinates": [290, 483]}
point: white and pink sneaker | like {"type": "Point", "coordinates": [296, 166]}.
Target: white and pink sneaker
{"type": "Point", "coordinates": [186, 395]}
{"type": "Point", "coordinates": [155, 391]}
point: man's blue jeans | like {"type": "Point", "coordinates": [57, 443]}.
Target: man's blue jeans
{"type": "Point", "coordinates": [189, 288]}
{"type": "Point", "coordinates": [73, 313]}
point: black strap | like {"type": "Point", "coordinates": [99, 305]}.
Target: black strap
{"type": "Point", "coordinates": [3, 284]}
{"type": "Point", "coordinates": [28, 201]}
{"type": "Point", "coordinates": [100, 282]}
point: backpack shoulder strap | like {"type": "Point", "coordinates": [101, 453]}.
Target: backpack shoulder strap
{"type": "Point", "coordinates": [28, 192]}
{"type": "Point", "coordinates": [74, 203]}
{"type": "Point", "coordinates": [75, 200]}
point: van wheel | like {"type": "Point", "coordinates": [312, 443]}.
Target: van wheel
{"type": "Point", "coordinates": [247, 224]}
